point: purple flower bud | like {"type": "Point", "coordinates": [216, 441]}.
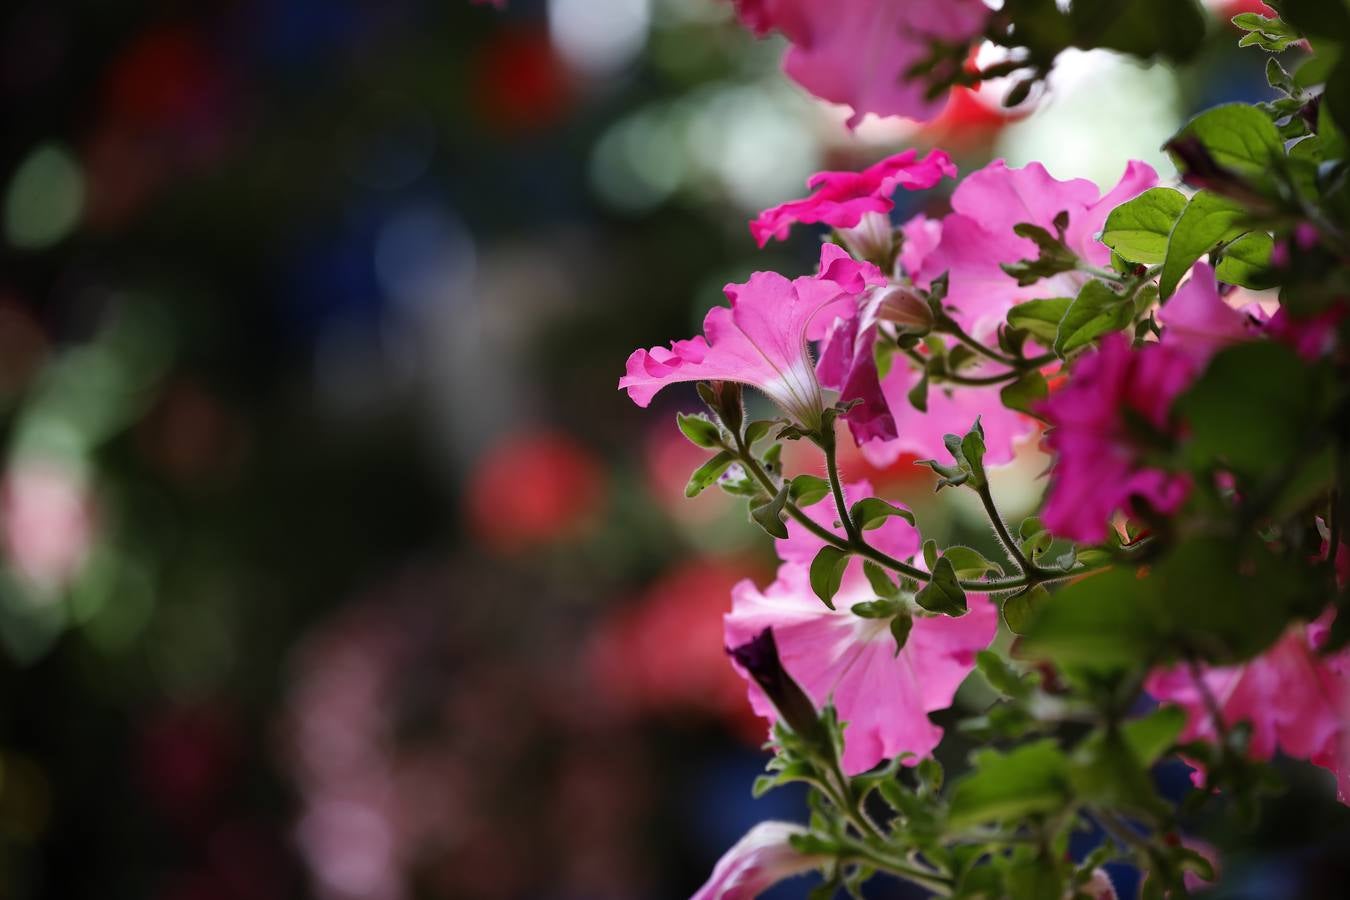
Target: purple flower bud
{"type": "Point", "coordinates": [759, 657]}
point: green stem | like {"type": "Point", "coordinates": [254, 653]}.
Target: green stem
{"type": "Point", "coordinates": [867, 551]}
{"type": "Point", "coordinates": [933, 881]}
{"type": "Point", "coordinates": [1024, 566]}
{"type": "Point", "coordinates": [951, 327]}
{"type": "Point", "coordinates": [827, 444]}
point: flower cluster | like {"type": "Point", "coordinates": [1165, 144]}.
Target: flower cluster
{"type": "Point", "coordinates": [1192, 519]}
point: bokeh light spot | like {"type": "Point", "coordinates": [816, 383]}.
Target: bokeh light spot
{"type": "Point", "coordinates": [45, 198]}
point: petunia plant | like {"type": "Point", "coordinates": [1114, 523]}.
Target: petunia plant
{"type": "Point", "coordinates": [1183, 353]}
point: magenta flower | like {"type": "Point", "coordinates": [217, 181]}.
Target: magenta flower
{"type": "Point", "coordinates": [1095, 419]}
{"type": "Point", "coordinates": [843, 199]}
{"type": "Point", "coordinates": [978, 236]}
{"type": "Point", "coordinates": [1296, 700]}
{"type": "Point", "coordinates": [838, 657]}
{"type": "Point", "coordinates": [756, 862]}
{"type": "Point", "coordinates": [1198, 321]}
{"type": "Point", "coordinates": [858, 52]}
{"type": "Point", "coordinates": [761, 339]}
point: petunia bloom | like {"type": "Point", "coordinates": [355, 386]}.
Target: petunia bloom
{"type": "Point", "coordinates": [761, 339]}
{"type": "Point", "coordinates": [1096, 419]}
{"type": "Point", "coordinates": [884, 423]}
{"type": "Point", "coordinates": [845, 199]}
{"type": "Point", "coordinates": [1296, 700]}
{"type": "Point", "coordinates": [850, 661]}
{"type": "Point", "coordinates": [1198, 321]}
{"type": "Point", "coordinates": [759, 860]}
{"type": "Point", "coordinates": [859, 52]}
{"type": "Point", "coordinates": [978, 235]}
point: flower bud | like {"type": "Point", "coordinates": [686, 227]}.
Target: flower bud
{"type": "Point", "coordinates": [759, 657]}
{"type": "Point", "coordinates": [907, 309]}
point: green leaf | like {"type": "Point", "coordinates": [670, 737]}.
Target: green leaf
{"type": "Point", "coordinates": [1030, 779]}
{"type": "Point", "coordinates": [1053, 256]}
{"type": "Point", "coordinates": [1097, 310]}
{"type": "Point", "coordinates": [758, 430]}
{"type": "Point", "coordinates": [1269, 33]}
{"type": "Point", "coordinates": [1001, 676]}
{"type": "Point", "coordinates": [872, 512]}
{"type": "Point", "coordinates": [1154, 734]}
{"type": "Point", "coordinates": [918, 395]}
{"type": "Point", "coordinates": [808, 489]}
{"type": "Point", "coordinates": [1239, 137]}
{"type": "Point", "coordinates": [708, 473]}
{"type": "Point", "coordinates": [1102, 621]}
{"type": "Point", "coordinates": [1246, 262]}
{"type": "Point", "coordinates": [1105, 770]}
{"type": "Point", "coordinates": [1251, 408]}
{"type": "Point", "coordinates": [1207, 221]}
{"type": "Point", "coordinates": [1024, 393]}
{"type": "Point", "coordinates": [873, 609]}
{"type": "Point", "coordinates": [827, 571]}
{"type": "Point", "coordinates": [969, 563]}
{"type": "Point", "coordinates": [943, 594]}
{"type": "Point", "coordinates": [1144, 28]}
{"type": "Point", "coordinates": [1138, 229]}
{"type": "Point", "coordinates": [1040, 318]}
{"type": "Point", "coordinates": [769, 515]}
{"type": "Point", "coordinates": [700, 430]}
{"type": "Point", "coordinates": [901, 626]}
{"type": "Point", "coordinates": [881, 582]}
{"type": "Point", "coordinates": [930, 554]}
{"type": "Point", "coordinates": [1021, 608]}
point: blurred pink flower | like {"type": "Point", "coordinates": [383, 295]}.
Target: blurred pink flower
{"type": "Point", "coordinates": [47, 521]}
{"type": "Point", "coordinates": [842, 658]}
{"type": "Point", "coordinates": [759, 860]}
{"type": "Point", "coordinates": [1296, 699]}
{"type": "Point", "coordinates": [760, 340]}
{"type": "Point", "coordinates": [978, 235]}
{"type": "Point", "coordinates": [1099, 466]}
{"type": "Point", "coordinates": [1311, 337]}
{"type": "Point", "coordinates": [842, 199]}
{"type": "Point", "coordinates": [858, 52]}
{"type": "Point", "coordinates": [1198, 322]}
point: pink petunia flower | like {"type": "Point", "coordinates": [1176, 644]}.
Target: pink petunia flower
{"type": "Point", "coordinates": [1311, 337]}
{"type": "Point", "coordinates": [858, 52]}
{"type": "Point", "coordinates": [1096, 417]}
{"type": "Point", "coordinates": [838, 657]}
{"type": "Point", "coordinates": [1296, 699]}
{"type": "Point", "coordinates": [761, 339]}
{"type": "Point", "coordinates": [845, 199]}
{"type": "Point", "coordinates": [759, 860]}
{"type": "Point", "coordinates": [1198, 322]}
{"type": "Point", "coordinates": [884, 424]}
{"type": "Point", "coordinates": [978, 235]}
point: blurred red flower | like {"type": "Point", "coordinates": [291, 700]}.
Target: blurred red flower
{"type": "Point", "coordinates": [533, 488]}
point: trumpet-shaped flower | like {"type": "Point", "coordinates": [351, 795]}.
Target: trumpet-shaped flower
{"type": "Point", "coordinates": [1296, 700]}
{"type": "Point", "coordinates": [1098, 419]}
{"type": "Point", "coordinates": [838, 657]}
{"type": "Point", "coordinates": [859, 52]}
{"type": "Point", "coordinates": [978, 236]}
{"type": "Point", "coordinates": [759, 860]}
{"type": "Point", "coordinates": [761, 339]}
{"type": "Point", "coordinates": [843, 199]}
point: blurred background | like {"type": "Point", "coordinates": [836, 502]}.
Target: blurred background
{"type": "Point", "coordinates": [333, 564]}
